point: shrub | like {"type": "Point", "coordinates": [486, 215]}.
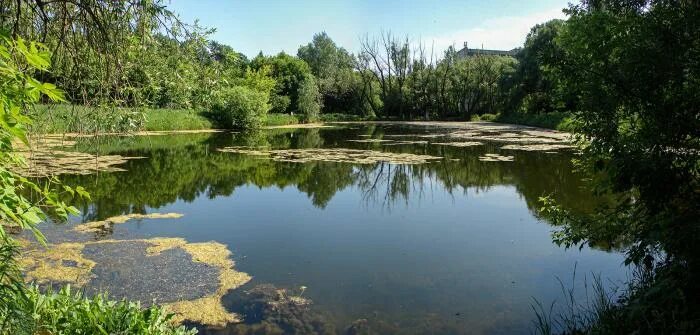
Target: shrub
{"type": "Point", "coordinates": [240, 107]}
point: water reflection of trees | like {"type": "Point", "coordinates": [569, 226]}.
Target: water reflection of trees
{"type": "Point", "coordinates": [187, 167]}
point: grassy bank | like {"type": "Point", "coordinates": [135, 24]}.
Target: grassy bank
{"type": "Point", "coordinates": [71, 118]}
{"type": "Point", "coordinates": [64, 118]}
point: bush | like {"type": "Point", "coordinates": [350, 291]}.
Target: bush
{"type": "Point", "coordinates": [240, 107]}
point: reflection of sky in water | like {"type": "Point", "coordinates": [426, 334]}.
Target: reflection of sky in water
{"type": "Point", "coordinates": [470, 260]}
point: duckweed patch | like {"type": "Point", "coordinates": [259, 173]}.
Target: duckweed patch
{"type": "Point", "coordinates": [301, 126]}
{"type": "Point", "coordinates": [106, 224]}
{"type": "Point", "coordinates": [59, 263]}
{"type": "Point", "coordinates": [496, 158]}
{"type": "Point", "coordinates": [46, 156]}
{"type": "Point", "coordinates": [548, 148]}
{"type": "Point", "coordinates": [459, 144]}
{"type": "Point", "coordinates": [371, 140]}
{"type": "Point", "coordinates": [342, 155]}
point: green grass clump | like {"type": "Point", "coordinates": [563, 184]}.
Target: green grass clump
{"type": "Point", "coordinates": [281, 119]}
{"type": "Point", "coordinates": [176, 119]}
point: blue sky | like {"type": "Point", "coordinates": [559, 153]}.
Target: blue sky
{"type": "Point", "coordinates": [271, 26]}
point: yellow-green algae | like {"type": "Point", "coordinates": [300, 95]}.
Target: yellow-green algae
{"type": "Point", "coordinates": [45, 156]}
{"type": "Point", "coordinates": [496, 158]}
{"type": "Point", "coordinates": [343, 155]}
{"type": "Point", "coordinates": [45, 265]}
{"type": "Point", "coordinates": [97, 226]}
{"type": "Point", "coordinates": [58, 263]}
{"type": "Point", "coordinates": [459, 144]}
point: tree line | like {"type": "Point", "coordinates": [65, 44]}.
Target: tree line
{"type": "Point", "coordinates": [119, 53]}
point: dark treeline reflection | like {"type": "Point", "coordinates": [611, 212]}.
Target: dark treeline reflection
{"type": "Point", "coordinates": [188, 166]}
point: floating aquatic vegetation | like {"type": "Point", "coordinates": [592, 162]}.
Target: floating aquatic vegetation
{"type": "Point", "coordinates": [459, 144]}
{"type": "Point", "coordinates": [106, 224]}
{"type": "Point", "coordinates": [537, 147]}
{"type": "Point", "coordinates": [206, 310]}
{"type": "Point", "coordinates": [371, 140]}
{"type": "Point", "coordinates": [60, 263]}
{"type": "Point", "coordinates": [68, 263]}
{"type": "Point", "coordinates": [343, 155]}
{"type": "Point", "coordinates": [46, 156]}
{"type": "Point", "coordinates": [496, 158]}
{"type": "Point", "coordinates": [406, 142]}
{"type": "Point", "coordinates": [301, 126]}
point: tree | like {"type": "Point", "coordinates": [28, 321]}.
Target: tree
{"type": "Point", "coordinates": [333, 68]}
{"type": "Point", "coordinates": [288, 72]}
{"type": "Point", "coordinates": [310, 101]}
{"type": "Point", "coordinates": [634, 66]}
{"type": "Point", "coordinates": [535, 86]}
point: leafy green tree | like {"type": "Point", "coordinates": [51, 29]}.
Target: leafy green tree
{"type": "Point", "coordinates": [333, 68]}
{"type": "Point", "coordinates": [634, 66]}
{"type": "Point", "coordinates": [288, 72]}
{"type": "Point", "coordinates": [535, 86]}
{"type": "Point", "coordinates": [309, 99]}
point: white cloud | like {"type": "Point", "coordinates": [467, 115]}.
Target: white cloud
{"type": "Point", "coordinates": [503, 33]}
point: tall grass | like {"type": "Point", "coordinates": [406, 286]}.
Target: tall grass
{"type": "Point", "coordinates": [573, 316]}
{"type": "Point", "coordinates": [64, 118]}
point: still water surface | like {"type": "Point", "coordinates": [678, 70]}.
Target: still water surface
{"type": "Point", "coordinates": [449, 247]}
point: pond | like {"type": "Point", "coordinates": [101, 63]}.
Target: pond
{"type": "Point", "coordinates": [382, 228]}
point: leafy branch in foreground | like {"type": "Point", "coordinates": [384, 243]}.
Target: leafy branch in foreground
{"type": "Point", "coordinates": [25, 204]}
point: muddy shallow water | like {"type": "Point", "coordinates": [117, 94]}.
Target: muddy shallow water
{"type": "Point", "coordinates": [389, 228]}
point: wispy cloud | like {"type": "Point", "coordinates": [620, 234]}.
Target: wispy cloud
{"type": "Point", "coordinates": [503, 33]}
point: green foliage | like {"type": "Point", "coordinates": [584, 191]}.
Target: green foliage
{"type": "Point", "coordinates": [25, 310]}
{"type": "Point", "coordinates": [333, 68]}
{"type": "Point", "coordinates": [309, 104]}
{"type": "Point", "coordinates": [64, 118]}
{"type": "Point", "coordinates": [536, 87]}
{"type": "Point", "coordinates": [400, 81]}
{"type": "Point", "coordinates": [633, 67]}
{"type": "Point", "coordinates": [18, 91]}
{"type": "Point", "coordinates": [288, 73]}
{"type": "Point", "coordinates": [240, 107]}
{"type": "Point", "coordinates": [554, 120]}
{"type": "Point", "coordinates": [70, 312]}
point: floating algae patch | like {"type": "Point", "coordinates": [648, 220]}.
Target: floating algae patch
{"type": "Point", "coordinates": [209, 309]}
{"type": "Point", "coordinates": [548, 148]}
{"type": "Point", "coordinates": [496, 158]}
{"type": "Point", "coordinates": [371, 140]}
{"type": "Point", "coordinates": [106, 224]}
{"type": "Point", "coordinates": [459, 144]}
{"type": "Point", "coordinates": [301, 126]}
{"type": "Point", "coordinates": [47, 156]}
{"type": "Point", "coordinates": [342, 155]}
{"type": "Point", "coordinates": [59, 263]}
{"type": "Point", "coordinates": [168, 271]}
{"type": "Point", "coordinates": [405, 142]}
{"type": "Point", "coordinates": [126, 270]}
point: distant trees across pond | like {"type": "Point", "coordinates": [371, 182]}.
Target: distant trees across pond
{"type": "Point", "coordinates": [144, 56]}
